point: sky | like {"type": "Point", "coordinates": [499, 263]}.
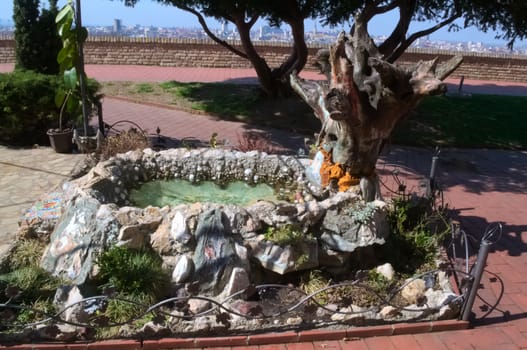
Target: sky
{"type": "Point", "coordinates": [149, 12]}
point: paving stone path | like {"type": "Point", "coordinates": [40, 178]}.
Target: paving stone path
{"type": "Point", "coordinates": [26, 175]}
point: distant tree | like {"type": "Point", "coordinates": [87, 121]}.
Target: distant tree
{"type": "Point", "coordinates": [48, 40]}
{"type": "Point", "coordinates": [25, 17]}
{"type": "Point", "coordinates": [37, 41]}
{"type": "Point", "coordinates": [243, 15]}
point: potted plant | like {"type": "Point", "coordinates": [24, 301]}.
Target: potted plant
{"type": "Point", "coordinates": [61, 139]}
{"type": "Point", "coordinates": [72, 98]}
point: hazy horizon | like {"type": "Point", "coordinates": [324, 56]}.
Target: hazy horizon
{"type": "Point", "coordinates": [151, 13]}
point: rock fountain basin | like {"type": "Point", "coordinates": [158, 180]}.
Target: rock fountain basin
{"type": "Point", "coordinates": [223, 248]}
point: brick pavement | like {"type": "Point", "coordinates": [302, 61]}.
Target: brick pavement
{"type": "Point", "coordinates": [191, 74]}
{"type": "Point", "coordinates": [483, 186]}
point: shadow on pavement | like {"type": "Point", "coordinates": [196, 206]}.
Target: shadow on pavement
{"type": "Point", "coordinates": [476, 170]}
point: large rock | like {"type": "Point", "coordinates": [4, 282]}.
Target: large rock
{"type": "Point", "coordinates": [70, 298]}
{"type": "Point", "coordinates": [85, 229]}
{"type": "Point", "coordinates": [348, 228]}
{"type": "Point", "coordinates": [215, 255]}
{"type": "Point", "coordinates": [301, 256]}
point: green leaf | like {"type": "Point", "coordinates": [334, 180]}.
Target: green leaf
{"type": "Point", "coordinates": [60, 95]}
{"type": "Point", "coordinates": [70, 78]}
{"type": "Point", "coordinates": [72, 105]}
{"type": "Point", "coordinates": [64, 55]}
{"type": "Point", "coordinates": [66, 13]}
{"type": "Point", "coordinates": [64, 29]}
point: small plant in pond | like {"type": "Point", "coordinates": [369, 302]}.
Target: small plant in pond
{"type": "Point", "coordinates": [29, 283]}
{"type": "Point", "coordinates": [125, 308]}
{"type": "Point", "coordinates": [134, 272]}
{"type": "Point", "coordinates": [362, 213]}
{"type": "Point", "coordinates": [286, 235]}
{"type": "Point", "coordinates": [377, 282]}
{"type": "Point", "coordinates": [314, 281]}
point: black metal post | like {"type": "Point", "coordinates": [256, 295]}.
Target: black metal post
{"type": "Point", "coordinates": [80, 66]}
{"type": "Point", "coordinates": [476, 275]}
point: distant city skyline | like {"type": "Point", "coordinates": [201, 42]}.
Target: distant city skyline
{"type": "Point", "coordinates": [152, 13]}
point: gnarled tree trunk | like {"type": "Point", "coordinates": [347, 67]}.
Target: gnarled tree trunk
{"type": "Point", "coordinates": [364, 100]}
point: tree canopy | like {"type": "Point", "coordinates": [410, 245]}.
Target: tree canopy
{"type": "Point", "coordinates": [243, 15]}
{"type": "Point", "coordinates": [507, 17]}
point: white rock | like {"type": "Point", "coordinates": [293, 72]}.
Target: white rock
{"type": "Point", "coordinates": [239, 280]}
{"type": "Point", "coordinates": [413, 291]}
{"type": "Point", "coordinates": [183, 269]}
{"type": "Point", "coordinates": [294, 320]}
{"type": "Point", "coordinates": [389, 311]}
{"type": "Point", "coordinates": [179, 231]}
{"type": "Point", "coordinates": [386, 270]}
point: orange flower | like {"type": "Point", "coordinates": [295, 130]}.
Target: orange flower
{"type": "Point", "coordinates": [336, 172]}
{"type": "Point", "coordinates": [347, 181]}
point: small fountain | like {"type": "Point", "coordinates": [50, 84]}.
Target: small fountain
{"type": "Point", "coordinates": [102, 202]}
{"type": "Point", "coordinates": [219, 250]}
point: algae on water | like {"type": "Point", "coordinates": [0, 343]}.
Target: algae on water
{"type": "Point", "coordinates": [173, 192]}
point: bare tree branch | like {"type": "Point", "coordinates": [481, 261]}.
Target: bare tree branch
{"type": "Point", "coordinates": [372, 9]}
{"type": "Point", "coordinates": [211, 35]}
{"type": "Point", "coordinates": [406, 43]}
{"type": "Point", "coordinates": [252, 21]}
{"type": "Point", "coordinates": [446, 68]}
{"type": "Point", "coordinates": [406, 11]}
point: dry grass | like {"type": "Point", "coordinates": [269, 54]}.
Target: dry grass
{"type": "Point", "coordinates": [254, 141]}
{"type": "Point", "coordinates": [129, 140]}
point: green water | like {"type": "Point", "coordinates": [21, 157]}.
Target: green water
{"type": "Point", "coordinates": [173, 192]}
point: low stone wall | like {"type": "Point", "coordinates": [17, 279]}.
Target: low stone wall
{"type": "Point", "coordinates": [7, 50]}
{"type": "Point", "coordinates": [206, 53]}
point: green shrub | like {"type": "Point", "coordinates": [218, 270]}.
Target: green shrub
{"type": "Point", "coordinates": [27, 107]}
{"type": "Point", "coordinates": [27, 253]}
{"type": "Point", "coordinates": [133, 272]}
{"type": "Point", "coordinates": [285, 235]}
{"type": "Point", "coordinates": [37, 310]}
{"type": "Point", "coordinates": [32, 282]}
{"type": "Point", "coordinates": [416, 233]}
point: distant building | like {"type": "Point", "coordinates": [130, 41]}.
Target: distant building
{"type": "Point", "coordinates": [271, 33]}
{"type": "Point", "coordinates": [117, 25]}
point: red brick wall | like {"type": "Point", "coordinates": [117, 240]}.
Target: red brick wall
{"type": "Point", "coordinates": [205, 53]}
